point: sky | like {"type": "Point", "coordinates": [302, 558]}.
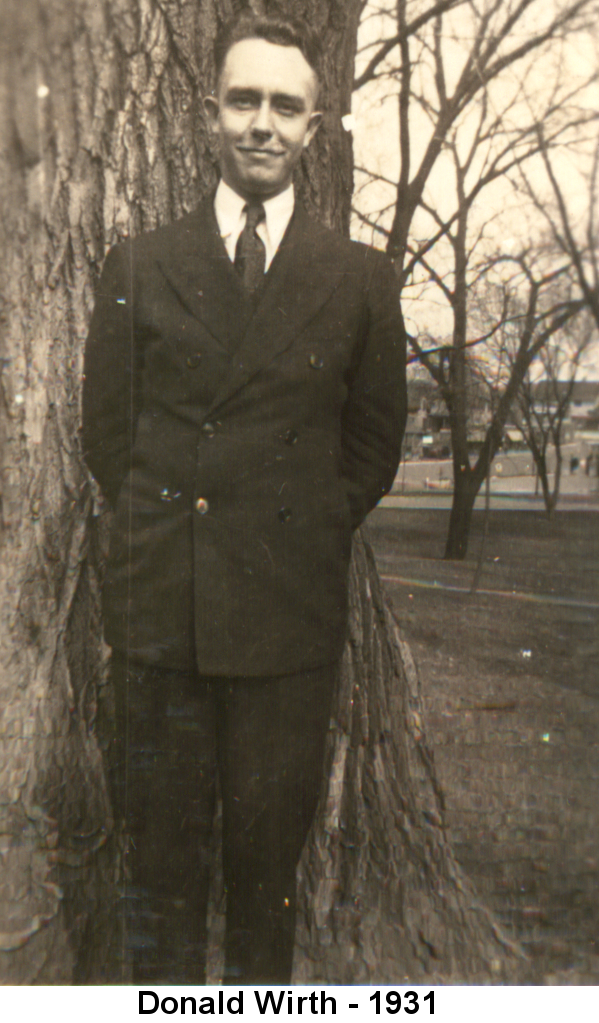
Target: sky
{"type": "Point", "coordinates": [503, 218]}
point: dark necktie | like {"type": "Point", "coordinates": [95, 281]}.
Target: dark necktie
{"type": "Point", "coordinates": [250, 254]}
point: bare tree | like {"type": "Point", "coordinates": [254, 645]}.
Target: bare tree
{"type": "Point", "coordinates": [544, 400]}
{"type": "Point", "coordinates": [576, 236]}
{"type": "Point", "coordinates": [454, 267]}
{"type": "Point", "coordinates": [494, 37]}
{"type": "Point", "coordinates": [102, 136]}
{"type": "Point", "coordinates": [513, 334]}
{"type": "Point", "coordinates": [469, 108]}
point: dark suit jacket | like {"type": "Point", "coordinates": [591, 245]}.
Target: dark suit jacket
{"type": "Point", "coordinates": [239, 448]}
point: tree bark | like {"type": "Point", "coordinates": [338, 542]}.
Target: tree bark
{"type": "Point", "coordinates": [383, 898]}
{"type": "Point", "coordinates": [103, 136]}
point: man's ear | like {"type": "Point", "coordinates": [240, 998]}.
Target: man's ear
{"type": "Point", "coordinates": [211, 108]}
{"type": "Point", "coordinates": [313, 123]}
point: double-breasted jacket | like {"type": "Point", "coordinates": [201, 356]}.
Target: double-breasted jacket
{"type": "Point", "coordinates": [240, 444]}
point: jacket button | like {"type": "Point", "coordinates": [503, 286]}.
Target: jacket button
{"type": "Point", "coordinates": [208, 429]}
{"type": "Point", "coordinates": [202, 505]}
{"type": "Point", "coordinates": [193, 361]}
{"type": "Point", "coordinates": [284, 514]}
{"type": "Point", "coordinates": [316, 361]}
{"type": "Point", "coordinates": [291, 437]}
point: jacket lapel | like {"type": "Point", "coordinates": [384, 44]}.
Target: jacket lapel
{"type": "Point", "coordinates": [303, 275]}
{"type": "Point", "coordinates": [200, 272]}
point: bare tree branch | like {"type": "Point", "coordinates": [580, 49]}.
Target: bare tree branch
{"type": "Point", "coordinates": [410, 28]}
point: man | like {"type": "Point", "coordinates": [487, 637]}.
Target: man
{"type": "Point", "coordinates": [244, 406]}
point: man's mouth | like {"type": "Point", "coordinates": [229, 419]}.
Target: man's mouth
{"type": "Point", "coordinates": [260, 151]}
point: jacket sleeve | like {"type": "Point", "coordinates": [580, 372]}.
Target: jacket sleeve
{"type": "Point", "coordinates": [374, 416]}
{"type": "Point", "coordinates": [111, 386]}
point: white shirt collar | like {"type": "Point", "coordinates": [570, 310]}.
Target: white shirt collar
{"type": "Point", "coordinates": [230, 216]}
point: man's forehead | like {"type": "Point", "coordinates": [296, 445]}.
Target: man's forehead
{"type": "Point", "coordinates": [261, 65]}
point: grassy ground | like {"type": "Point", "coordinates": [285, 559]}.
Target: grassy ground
{"type": "Point", "coordinates": [511, 689]}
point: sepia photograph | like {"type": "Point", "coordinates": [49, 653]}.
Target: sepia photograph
{"type": "Point", "coordinates": [299, 494]}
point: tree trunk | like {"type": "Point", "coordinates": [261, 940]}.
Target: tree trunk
{"type": "Point", "coordinates": [543, 475]}
{"type": "Point", "coordinates": [465, 491]}
{"type": "Point", "coordinates": [383, 898]}
{"type": "Point", "coordinates": [103, 136]}
{"type": "Point", "coordinates": [557, 476]}
{"type": "Point", "coordinates": [467, 479]}
{"type": "Point", "coordinates": [465, 488]}
{"type": "Point", "coordinates": [539, 454]}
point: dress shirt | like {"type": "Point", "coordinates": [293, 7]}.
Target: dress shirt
{"type": "Point", "coordinates": [230, 216]}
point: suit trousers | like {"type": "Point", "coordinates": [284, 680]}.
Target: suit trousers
{"type": "Point", "coordinates": [174, 732]}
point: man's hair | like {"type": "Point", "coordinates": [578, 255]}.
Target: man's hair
{"type": "Point", "coordinates": [280, 29]}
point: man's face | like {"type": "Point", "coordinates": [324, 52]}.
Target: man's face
{"type": "Point", "coordinates": [264, 115]}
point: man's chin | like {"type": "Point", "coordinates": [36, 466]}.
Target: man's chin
{"type": "Point", "coordinates": [260, 186]}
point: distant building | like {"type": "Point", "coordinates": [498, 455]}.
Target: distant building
{"type": "Point", "coordinates": [582, 413]}
{"type": "Point", "coordinates": [584, 397]}
{"type": "Point", "coordinates": [428, 432]}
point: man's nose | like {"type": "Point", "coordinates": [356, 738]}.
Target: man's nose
{"type": "Point", "coordinates": [262, 122]}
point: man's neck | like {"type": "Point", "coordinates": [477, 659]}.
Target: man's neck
{"type": "Point", "coordinates": [229, 209]}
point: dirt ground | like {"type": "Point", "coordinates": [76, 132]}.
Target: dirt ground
{"type": "Point", "coordinates": [510, 683]}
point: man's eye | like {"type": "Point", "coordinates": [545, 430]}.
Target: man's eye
{"type": "Point", "coordinates": [287, 110]}
{"type": "Point", "coordinates": [240, 101]}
